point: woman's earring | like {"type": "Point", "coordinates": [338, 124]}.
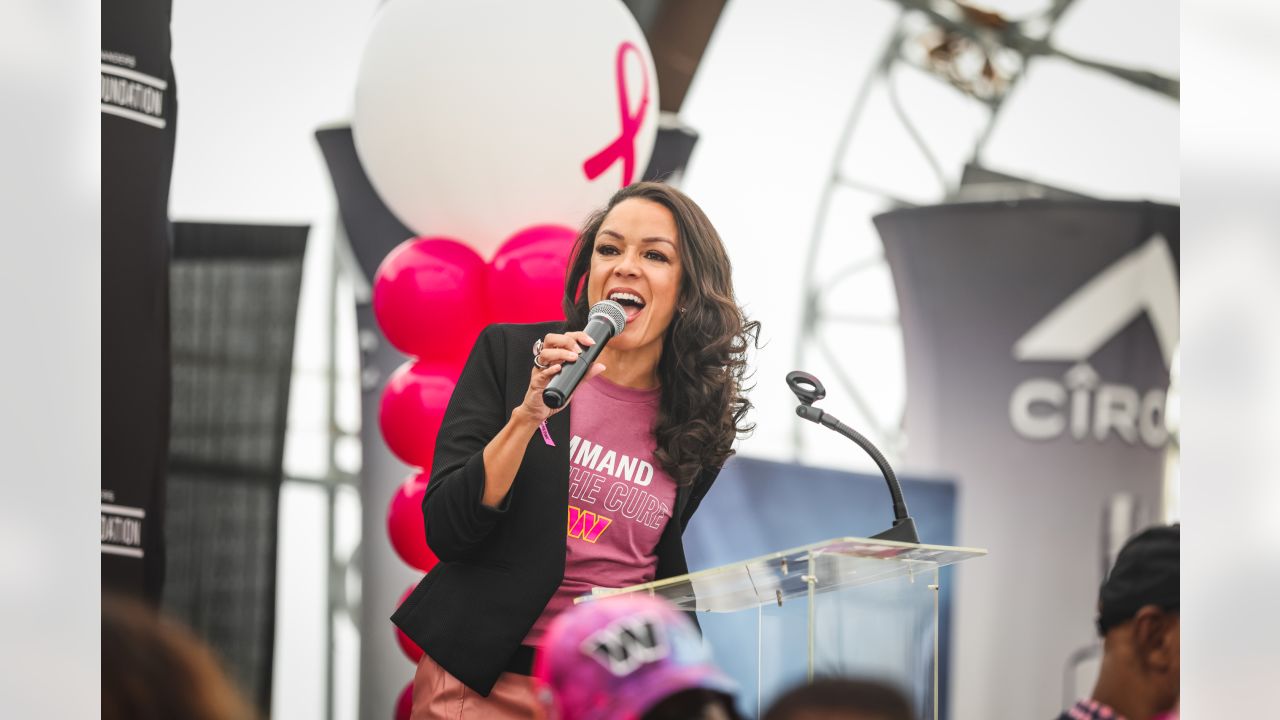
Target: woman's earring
{"type": "Point", "coordinates": [682, 309]}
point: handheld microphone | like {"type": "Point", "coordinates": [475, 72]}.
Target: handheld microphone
{"type": "Point", "coordinates": [605, 320]}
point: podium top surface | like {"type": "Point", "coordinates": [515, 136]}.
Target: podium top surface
{"type": "Point", "coordinates": [833, 564]}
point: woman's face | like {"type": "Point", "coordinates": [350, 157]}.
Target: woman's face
{"type": "Point", "coordinates": [636, 262]}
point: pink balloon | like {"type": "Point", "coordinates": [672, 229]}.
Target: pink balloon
{"type": "Point", "coordinates": [405, 524]}
{"type": "Point", "coordinates": [404, 705]}
{"type": "Point", "coordinates": [428, 298]}
{"type": "Point", "coordinates": [413, 405]}
{"type": "Point", "coordinates": [410, 648]}
{"type": "Point", "coordinates": [526, 277]}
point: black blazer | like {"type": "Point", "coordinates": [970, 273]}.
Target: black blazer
{"type": "Point", "coordinates": [499, 567]}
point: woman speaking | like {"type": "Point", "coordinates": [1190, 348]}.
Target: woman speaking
{"type": "Point", "coordinates": [644, 436]}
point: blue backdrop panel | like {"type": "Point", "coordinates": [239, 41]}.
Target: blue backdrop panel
{"type": "Point", "coordinates": [758, 507]}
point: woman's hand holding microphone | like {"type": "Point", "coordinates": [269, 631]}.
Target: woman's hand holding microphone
{"type": "Point", "coordinates": [503, 454]}
{"type": "Point", "coordinates": [549, 356]}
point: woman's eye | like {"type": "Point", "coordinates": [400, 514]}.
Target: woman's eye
{"type": "Point", "coordinates": [655, 255]}
{"type": "Point", "coordinates": [606, 250]}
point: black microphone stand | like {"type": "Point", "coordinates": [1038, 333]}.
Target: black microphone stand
{"type": "Point", "coordinates": [809, 390]}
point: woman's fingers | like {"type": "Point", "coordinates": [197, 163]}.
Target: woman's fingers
{"type": "Point", "coordinates": [562, 342]}
{"type": "Point", "coordinates": [574, 341]}
{"type": "Point", "coordinates": [558, 348]}
{"type": "Point", "coordinates": [557, 355]}
{"type": "Point", "coordinates": [540, 378]}
{"type": "Point", "coordinates": [582, 338]}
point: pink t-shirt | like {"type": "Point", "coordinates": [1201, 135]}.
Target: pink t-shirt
{"type": "Point", "coordinates": [619, 499]}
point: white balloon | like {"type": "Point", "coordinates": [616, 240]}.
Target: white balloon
{"type": "Point", "coordinates": [474, 118]}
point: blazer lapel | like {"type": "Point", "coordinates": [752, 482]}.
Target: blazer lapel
{"type": "Point", "coordinates": [682, 497]}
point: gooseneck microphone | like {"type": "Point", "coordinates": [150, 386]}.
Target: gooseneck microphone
{"type": "Point", "coordinates": [808, 390]}
{"type": "Point", "coordinates": [606, 319]}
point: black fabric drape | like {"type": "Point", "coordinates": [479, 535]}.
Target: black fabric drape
{"type": "Point", "coordinates": [234, 305]}
{"type": "Point", "coordinates": [139, 118]}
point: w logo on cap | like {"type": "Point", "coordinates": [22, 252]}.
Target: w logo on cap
{"type": "Point", "coordinates": [626, 644]}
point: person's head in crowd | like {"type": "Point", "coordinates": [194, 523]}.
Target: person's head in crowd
{"type": "Point", "coordinates": [841, 699]}
{"type": "Point", "coordinates": [155, 669]}
{"type": "Point", "coordinates": [1138, 620]}
{"type": "Point", "coordinates": [633, 657]}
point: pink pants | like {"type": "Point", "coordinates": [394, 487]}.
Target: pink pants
{"type": "Point", "coordinates": [437, 695]}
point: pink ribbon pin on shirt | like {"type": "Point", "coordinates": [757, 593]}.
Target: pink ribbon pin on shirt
{"type": "Point", "coordinates": [624, 147]}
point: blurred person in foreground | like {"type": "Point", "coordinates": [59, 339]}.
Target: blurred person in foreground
{"type": "Point", "coordinates": [841, 699]}
{"type": "Point", "coordinates": [646, 433]}
{"type": "Point", "coordinates": [155, 669]}
{"type": "Point", "coordinates": [1139, 622]}
{"type": "Point", "coordinates": [632, 657]}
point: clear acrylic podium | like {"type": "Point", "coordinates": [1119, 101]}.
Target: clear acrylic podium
{"type": "Point", "coordinates": [846, 606]}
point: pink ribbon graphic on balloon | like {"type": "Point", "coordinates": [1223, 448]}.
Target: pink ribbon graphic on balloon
{"type": "Point", "coordinates": [624, 147]}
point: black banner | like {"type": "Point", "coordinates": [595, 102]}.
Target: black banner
{"type": "Point", "coordinates": [139, 111]}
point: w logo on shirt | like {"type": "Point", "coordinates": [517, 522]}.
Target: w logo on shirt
{"type": "Point", "coordinates": [586, 525]}
{"type": "Point", "coordinates": [627, 644]}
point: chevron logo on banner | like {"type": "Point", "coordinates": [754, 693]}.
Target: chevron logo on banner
{"type": "Point", "coordinates": [1143, 281]}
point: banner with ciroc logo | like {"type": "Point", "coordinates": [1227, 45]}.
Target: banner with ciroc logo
{"type": "Point", "coordinates": [139, 109]}
{"type": "Point", "coordinates": [1038, 341]}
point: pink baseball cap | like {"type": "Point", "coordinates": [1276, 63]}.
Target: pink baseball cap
{"type": "Point", "coordinates": [616, 658]}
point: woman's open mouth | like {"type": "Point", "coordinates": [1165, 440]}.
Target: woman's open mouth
{"type": "Point", "coordinates": [632, 304]}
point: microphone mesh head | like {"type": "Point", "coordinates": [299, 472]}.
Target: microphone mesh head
{"type": "Point", "coordinates": [611, 311]}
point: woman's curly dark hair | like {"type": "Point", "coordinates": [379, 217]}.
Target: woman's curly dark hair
{"type": "Point", "coordinates": [703, 364]}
